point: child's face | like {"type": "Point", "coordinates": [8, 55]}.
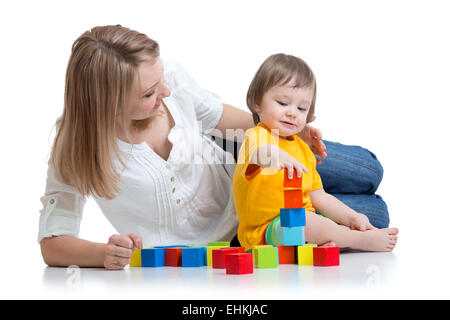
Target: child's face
{"type": "Point", "coordinates": [285, 108]}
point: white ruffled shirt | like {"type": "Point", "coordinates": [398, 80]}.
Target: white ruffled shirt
{"type": "Point", "coordinates": [184, 200]}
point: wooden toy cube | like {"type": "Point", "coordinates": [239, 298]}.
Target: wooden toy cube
{"type": "Point", "coordinates": [219, 256]}
{"type": "Point", "coordinates": [192, 257]}
{"type": "Point", "coordinates": [294, 236]}
{"type": "Point", "coordinates": [267, 257]}
{"type": "Point", "coordinates": [292, 183]}
{"type": "Point", "coordinates": [293, 198]}
{"type": "Point", "coordinates": [286, 254]}
{"type": "Point", "coordinates": [219, 244]}
{"type": "Point", "coordinates": [173, 257]}
{"type": "Point", "coordinates": [209, 251]}
{"type": "Point", "coordinates": [153, 257]}
{"type": "Point", "coordinates": [136, 258]}
{"type": "Point", "coordinates": [239, 263]}
{"type": "Point", "coordinates": [295, 217]}
{"type": "Point", "coordinates": [255, 251]}
{"type": "Point", "coordinates": [305, 254]}
{"type": "Point", "coordinates": [326, 256]}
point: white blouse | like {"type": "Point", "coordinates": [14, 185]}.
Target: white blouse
{"type": "Point", "coordinates": [184, 200]}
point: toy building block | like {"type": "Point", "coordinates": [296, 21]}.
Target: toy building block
{"type": "Point", "coordinates": [239, 263]}
{"type": "Point", "coordinates": [293, 198]}
{"type": "Point", "coordinates": [305, 254]}
{"type": "Point", "coordinates": [136, 258]}
{"type": "Point", "coordinates": [193, 257]}
{"type": "Point", "coordinates": [173, 246]}
{"type": "Point", "coordinates": [295, 217]}
{"type": "Point", "coordinates": [209, 251]}
{"type": "Point", "coordinates": [219, 256]}
{"type": "Point", "coordinates": [153, 257]}
{"type": "Point", "coordinates": [326, 256]}
{"type": "Point", "coordinates": [286, 254]}
{"type": "Point", "coordinates": [294, 236]}
{"type": "Point", "coordinates": [267, 257]}
{"type": "Point", "coordinates": [255, 251]}
{"type": "Point", "coordinates": [173, 256]}
{"type": "Point", "coordinates": [292, 183]}
{"type": "Point", "coordinates": [219, 244]}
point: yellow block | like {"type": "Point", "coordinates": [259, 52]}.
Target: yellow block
{"type": "Point", "coordinates": [255, 251]}
{"type": "Point", "coordinates": [305, 254]}
{"type": "Point", "coordinates": [136, 258]}
{"type": "Point", "coordinates": [209, 251]}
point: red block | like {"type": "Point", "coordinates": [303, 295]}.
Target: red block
{"type": "Point", "coordinates": [326, 256]}
{"type": "Point", "coordinates": [293, 198]}
{"type": "Point", "coordinates": [219, 256]}
{"type": "Point", "coordinates": [292, 183]}
{"type": "Point", "coordinates": [286, 254]}
{"type": "Point", "coordinates": [172, 257]}
{"type": "Point", "coordinates": [239, 263]}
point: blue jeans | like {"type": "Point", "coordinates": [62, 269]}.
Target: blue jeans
{"type": "Point", "coordinates": [352, 174]}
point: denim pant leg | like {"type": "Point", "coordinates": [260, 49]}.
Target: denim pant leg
{"type": "Point", "coordinates": [353, 174]}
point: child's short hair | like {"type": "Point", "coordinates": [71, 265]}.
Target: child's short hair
{"type": "Point", "coordinates": [277, 70]}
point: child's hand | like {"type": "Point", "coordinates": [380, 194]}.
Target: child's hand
{"type": "Point", "coordinates": [270, 156]}
{"type": "Point", "coordinates": [360, 222]}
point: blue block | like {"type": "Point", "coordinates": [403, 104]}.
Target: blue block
{"type": "Point", "coordinates": [294, 236]}
{"type": "Point", "coordinates": [153, 257]}
{"type": "Point", "coordinates": [292, 217]}
{"type": "Point", "coordinates": [193, 257]}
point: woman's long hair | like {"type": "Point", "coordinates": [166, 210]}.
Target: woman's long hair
{"type": "Point", "coordinates": [99, 78]}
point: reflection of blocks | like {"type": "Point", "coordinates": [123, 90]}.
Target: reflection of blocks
{"type": "Point", "coordinates": [294, 236]}
{"type": "Point", "coordinates": [267, 257]}
{"type": "Point", "coordinates": [136, 258]}
{"type": "Point", "coordinates": [255, 251]}
{"type": "Point", "coordinates": [193, 257]}
{"type": "Point", "coordinates": [305, 254]}
{"type": "Point", "coordinates": [239, 263]}
{"type": "Point", "coordinates": [293, 198]}
{"type": "Point", "coordinates": [153, 257]}
{"type": "Point", "coordinates": [219, 256]}
{"type": "Point", "coordinates": [173, 257]}
{"type": "Point", "coordinates": [294, 217]}
{"type": "Point", "coordinates": [286, 254]}
{"type": "Point", "coordinates": [292, 183]}
{"type": "Point", "coordinates": [209, 251]}
{"type": "Point", "coordinates": [326, 256]}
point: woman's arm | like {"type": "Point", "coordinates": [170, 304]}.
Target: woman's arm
{"type": "Point", "coordinates": [63, 251]}
{"type": "Point", "coordinates": [237, 121]}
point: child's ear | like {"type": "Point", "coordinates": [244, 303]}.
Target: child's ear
{"type": "Point", "coordinates": [256, 108]}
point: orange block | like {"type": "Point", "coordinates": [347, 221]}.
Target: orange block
{"type": "Point", "coordinates": [286, 254]}
{"type": "Point", "coordinates": [293, 198]}
{"type": "Point", "coordinates": [292, 183]}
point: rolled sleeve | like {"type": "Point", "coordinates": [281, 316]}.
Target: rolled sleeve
{"type": "Point", "coordinates": [62, 207]}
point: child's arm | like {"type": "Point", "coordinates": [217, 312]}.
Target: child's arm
{"type": "Point", "coordinates": [337, 211]}
{"type": "Point", "coordinates": [270, 156]}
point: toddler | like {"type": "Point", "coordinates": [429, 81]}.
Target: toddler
{"type": "Point", "coordinates": [281, 98]}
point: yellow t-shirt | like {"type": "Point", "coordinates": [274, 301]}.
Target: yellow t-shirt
{"type": "Point", "coordinates": [259, 196]}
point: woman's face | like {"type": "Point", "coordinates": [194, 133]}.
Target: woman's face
{"type": "Point", "coordinates": [148, 91]}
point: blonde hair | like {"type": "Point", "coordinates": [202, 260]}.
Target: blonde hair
{"type": "Point", "coordinates": [278, 70]}
{"type": "Point", "coordinates": [99, 77]}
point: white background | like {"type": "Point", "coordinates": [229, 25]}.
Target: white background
{"type": "Point", "coordinates": [383, 73]}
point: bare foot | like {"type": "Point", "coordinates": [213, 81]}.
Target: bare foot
{"type": "Point", "coordinates": [382, 240]}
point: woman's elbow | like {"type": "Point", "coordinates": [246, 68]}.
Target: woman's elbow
{"type": "Point", "coordinates": [47, 251]}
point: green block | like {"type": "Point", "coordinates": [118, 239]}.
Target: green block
{"type": "Point", "coordinates": [219, 244]}
{"type": "Point", "coordinates": [267, 257]}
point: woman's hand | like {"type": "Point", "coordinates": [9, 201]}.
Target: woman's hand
{"type": "Point", "coordinates": [119, 249]}
{"type": "Point", "coordinates": [313, 138]}
{"type": "Point", "coordinates": [270, 156]}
